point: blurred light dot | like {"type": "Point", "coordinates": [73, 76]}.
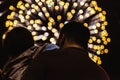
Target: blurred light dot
{"type": "Point", "coordinates": [81, 17]}
{"type": "Point", "coordinates": [81, 3]}
{"type": "Point", "coordinates": [43, 0]}
{"type": "Point", "coordinates": [28, 12]}
{"type": "Point", "coordinates": [90, 55]}
{"type": "Point", "coordinates": [61, 25]}
{"type": "Point", "coordinates": [73, 11]}
{"type": "Point", "coordinates": [56, 34]}
{"type": "Point", "coordinates": [4, 36]}
{"type": "Point", "coordinates": [31, 21]}
{"type": "Point", "coordinates": [44, 8]}
{"type": "Point", "coordinates": [98, 52]}
{"type": "Point", "coordinates": [65, 6]}
{"type": "Point", "coordinates": [93, 27]}
{"type": "Point", "coordinates": [46, 34]}
{"type": "Point", "coordinates": [52, 39]}
{"type": "Point", "coordinates": [99, 62]}
{"type": "Point", "coordinates": [94, 38]}
{"type": "Point", "coordinates": [61, 3]}
{"type": "Point", "coordinates": [96, 31]}
{"type": "Point", "coordinates": [99, 9]}
{"type": "Point", "coordinates": [53, 42]}
{"type": "Point", "coordinates": [44, 28]}
{"type": "Point", "coordinates": [35, 25]}
{"type": "Point", "coordinates": [12, 13]}
{"type": "Point", "coordinates": [20, 12]}
{"type": "Point", "coordinates": [75, 4]}
{"type": "Point", "coordinates": [98, 41]}
{"type": "Point", "coordinates": [9, 17]}
{"type": "Point", "coordinates": [103, 18]}
{"type": "Point", "coordinates": [51, 19]}
{"type": "Point", "coordinates": [54, 30]}
{"type": "Point", "coordinates": [85, 24]}
{"type": "Point", "coordinates": [38, 21]}
{"type": "Point", "coordinates": [11, 7]}
{"type": "Point", "coordinates": [34, 33]}
{"type": "Point", "coordinates": [19, 4]}
{"type": "Point", "coordinates": [10, 28]}
{"type": "Point", "coordinates": [98, 24]}
{"type": "Point", "coordinates": [106, 50]}
{"type": "Point", "coordinates": [37, 0]}
{"type": "Point", "coordinates": [104, 12]}
{"type": "Point", "coordinates": [22, 7]}
{"type": "Point", "coordinates": [95, 47]}
{"type": "Point", "coordinates": [105, 42]}
{"type": "Point", "coordinates": [92, 11]}
{"type": "Point", "coordinates": [86, 4]}
{"type": "Point", "coordinates": [90, 41]}
{"type": "Point", "coordinates": [56, 7]}
{"type": "Point", "coordinates": [95, 57]}
{"type": "Point", "coordinates": [40, 14]}
{"type": "Point", "coordinates": [80, 11]}
{"type": "Point", "coordinates": [37, 28]}
{"type": "Point", "coordinates": [15, 22]}
{"type": "Point", "coordinates": [32, 5]}
{"type": "Point", "coordinates": [27, 16]}
{"type": "Point", "coordinates": [33, 10]}
{"type": "Point", "coordinates": [105, 23]}
{"type": "Point", "coordinates": [69, 15]}
{"type": "Point", "coordinates": [47, 14]}
{"type": "Point", "coordinates": [49, 27]}
{"type": "Point", "coordinates": [20, 16]}
{"type": "Point", "coordinates": [36, 7]}
{"type": "Point", "coordinates": [35, 38]}
{"type": "Point", "coordinates": [90, 45]}
{"type": "Point", "coordinates": [102, 46]}
{"type": "Point", "coordinates": [87, 15]}
{"type": "Point", "coordinates": [44, 38]}
{"type": "Point", "coordinates": [103, 28]}
{"type": "Point", "coordinates": [40, 3]}
{"type": "Point", "coordinates": [29, 27]}
{"type": "Point", "coordinates": [59, 17]}
{"type": "Point", "coordinates": [94, 2]}
{"type": "Point", "coordinates": [108, 40]}
{"type": "Point", "coordinates": [49, 24]}
{"type": "Point", "coordinates": [27, 5]}
{"type": "Point", "coordinates": [89, 8]}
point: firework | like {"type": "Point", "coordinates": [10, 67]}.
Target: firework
{"type": "Point", "coordinates": [45, 18]}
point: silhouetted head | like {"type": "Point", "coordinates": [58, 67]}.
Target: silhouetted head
{"type": "Point", "coordinates": [17, 41]}
{"type": "Point", "coordinates": [74, 33]}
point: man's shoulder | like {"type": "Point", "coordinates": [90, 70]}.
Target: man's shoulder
{"type": "Point", "coordinates": [50, 52]}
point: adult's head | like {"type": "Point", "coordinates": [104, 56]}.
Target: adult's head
{"type": "Point", "coordinates": [17, 41]}
{"type": "Point", "coordinates": [74, 33]}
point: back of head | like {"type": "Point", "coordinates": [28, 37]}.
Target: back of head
{"type": "Point", "coordinates": [17, 41]}
{"type": "Point", "coordinates": [77, 33]}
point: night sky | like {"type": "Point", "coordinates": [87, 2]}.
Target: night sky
{"type": "Point", "coordinates": [111, 61]}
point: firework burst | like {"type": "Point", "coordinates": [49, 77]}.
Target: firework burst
{"type": "Point", "coordinates": [45, 18]}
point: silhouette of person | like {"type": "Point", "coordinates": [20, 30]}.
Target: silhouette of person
{"type": "Point", "coordinates": [18, 50]}
{"type": "Point", "coordinates": [70, 62]}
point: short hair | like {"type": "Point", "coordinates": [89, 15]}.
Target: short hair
{"type": "Point", "coordinates": [76, 32]}
{"type": "Point", "coordinates": [17, 41]}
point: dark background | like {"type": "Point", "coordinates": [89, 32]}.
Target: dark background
{"type": "Point", "coordinates": [110, 61]}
